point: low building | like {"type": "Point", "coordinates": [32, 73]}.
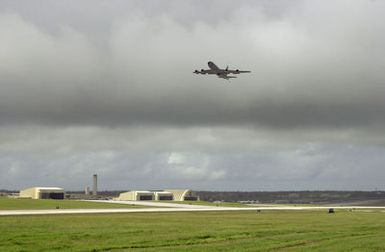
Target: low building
{"type": "Point", "coordinates": [136, 195]}
{"type": "Point", "coordinates": [42, 193]}
{"type": "Point", "coordinates": [163, 195]}
{"type": "Point", "coordinates": [171, 194]}
{"type": "Point", "coordinates": [182, 194]}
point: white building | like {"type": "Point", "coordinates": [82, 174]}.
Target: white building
{"type": "Point", "coordinates": [163, 195]}
{"type": "Point", "coordinates": [136, 195]}
{"type": "Point", "coordinates": [42, 193]}
{"type": "Point", "coordinates": [182, 194]}
{"type": "Point", "coordinates": [169, 194]}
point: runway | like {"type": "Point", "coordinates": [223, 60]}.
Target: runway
{"type": "Point", "coordinates": [158, 207]}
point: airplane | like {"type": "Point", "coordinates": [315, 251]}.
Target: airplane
{"type": "Point", "coordinates": [221, 73]}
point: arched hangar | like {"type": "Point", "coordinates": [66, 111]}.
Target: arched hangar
{"type": "Point", "coordinates": [42, 193]}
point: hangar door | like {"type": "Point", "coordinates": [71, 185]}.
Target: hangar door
{"type": "Point", "coordinates": [145, 197]}
{"type": "Point", "coordinates": [52, 195]}
{"type": "Point", "coordinates": [165, 197]}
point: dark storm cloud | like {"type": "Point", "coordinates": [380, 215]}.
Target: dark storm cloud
{"type": "Point", "coordinates": [320, 167]}
{"type": "Point", "coordinates": [301, 77]}
{"type": "Point", "coordinates": [107, 87]}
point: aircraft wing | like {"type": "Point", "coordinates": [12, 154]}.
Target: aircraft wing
{"type": "Point", "coordinates": [237, 71]}
{"type": "Point", "coordinates": [204, 71]}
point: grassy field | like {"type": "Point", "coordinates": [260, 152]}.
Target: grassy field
{"type": "Point", "coordinates": [24, 204]}
{"type": "Point", "coordinates": [203, 231]}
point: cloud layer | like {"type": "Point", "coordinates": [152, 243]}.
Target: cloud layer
{"type": "Point", "coordinates": [110, 89]}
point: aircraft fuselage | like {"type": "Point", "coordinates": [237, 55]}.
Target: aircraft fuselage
{"type": "Point", "coordinates": [221, 73]}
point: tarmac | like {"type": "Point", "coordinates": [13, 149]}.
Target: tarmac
{"type": "Point", "coordinates": [160, 207]}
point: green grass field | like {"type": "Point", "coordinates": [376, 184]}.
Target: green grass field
{"type": "Point", "coordinates": [199, 231]}
{"type": "Point", "coordinates": [25, 204]}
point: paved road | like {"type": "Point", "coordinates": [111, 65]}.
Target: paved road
{"type": "Point", "coordinates": [180, 208]}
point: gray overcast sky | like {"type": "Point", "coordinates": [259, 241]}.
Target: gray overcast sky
{"type": "Point", "coordinates": [107, 87]}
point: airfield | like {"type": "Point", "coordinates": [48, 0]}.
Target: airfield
{"type": "Point", "coordinates": [161, 207]}
{"type": "Point", "coordinates": [36, 225]}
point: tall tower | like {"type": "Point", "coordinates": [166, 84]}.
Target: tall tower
{"type": "Point", "coordinates": [87, 190]}
{"type": "Point", "coordinates": [95, 185]}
